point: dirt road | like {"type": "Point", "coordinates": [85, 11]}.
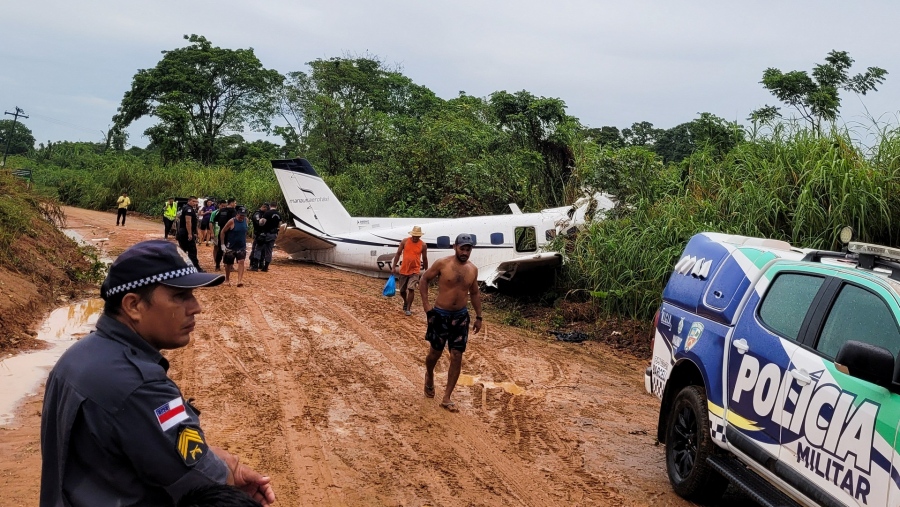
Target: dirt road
{"type": "Point", "coordinates": [313, 377]}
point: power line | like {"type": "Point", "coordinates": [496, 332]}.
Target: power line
{"type": "Point", "coordinates": [12, 131]}
{"type": "Point", "coordinates": [64, 123]}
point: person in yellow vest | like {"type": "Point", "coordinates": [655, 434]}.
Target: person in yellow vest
{"type": "Point", "coordinates": [170, 212]}
{"type": "Point", "coordinates": [123, 202]}
{"type": "Point", "coordinates": [412, 249]}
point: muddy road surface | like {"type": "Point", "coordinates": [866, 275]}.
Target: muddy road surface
{"type": "Point", "coordinates": [314, 378]}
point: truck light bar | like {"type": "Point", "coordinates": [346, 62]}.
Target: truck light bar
{"type": "Point", "coordinates": [885, 252]}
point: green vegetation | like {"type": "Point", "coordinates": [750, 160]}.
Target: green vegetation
{"type": "Point", "coordinates": [388, 146]}
{"type": "Point", "coordinates": [793, 185]}
{"type": "Point", "coordinates": [817, 98]}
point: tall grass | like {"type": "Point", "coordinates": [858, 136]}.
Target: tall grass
{"type": "Point", "coordinates": [791, 185]}
{"type": "Point", "coordinates": [150, 184]}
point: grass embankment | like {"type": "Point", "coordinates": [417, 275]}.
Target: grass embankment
{"type": "Point", "coordinates": [791, 186]}
{"type": "Point", "coordinates": [39, 265]}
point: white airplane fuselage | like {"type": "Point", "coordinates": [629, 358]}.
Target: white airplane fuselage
{"type": "Point", "coordinates": [323, 232]}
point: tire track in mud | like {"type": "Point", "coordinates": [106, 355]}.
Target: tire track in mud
{"type": "Point", "coordinates": [514, 478]}
{"type": "Point", "coordinates": [521, 420]}
{"type": "Point", "coordinates": [310, 464]}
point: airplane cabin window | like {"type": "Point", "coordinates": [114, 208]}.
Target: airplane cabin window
{"type": "Point", "coordinates": [496, 238]}
{"type": "Point", "coordinates": [550, 234]}
{"type": "Point", "coordinates": [443, 241]}
{"type": "Point", "coordinates": [526, 239]}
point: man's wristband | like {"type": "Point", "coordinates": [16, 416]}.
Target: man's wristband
{"type": "Point", "coordinates": [478, 317]}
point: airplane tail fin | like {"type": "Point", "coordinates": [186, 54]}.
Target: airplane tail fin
{"type": "Point", "coordinates": [312, 205]}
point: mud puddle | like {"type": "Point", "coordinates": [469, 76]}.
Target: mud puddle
{"type": "Point", "coordinates": [23, 374]}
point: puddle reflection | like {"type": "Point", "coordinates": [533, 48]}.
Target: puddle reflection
{"type": "Point", "coordinates": [22, 375]}
{"type": "Point", "coordinates": [471, 380]}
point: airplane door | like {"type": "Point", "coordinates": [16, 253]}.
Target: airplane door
{"type": "Point", "coordinates": [840, 432]}
{"type": "Point", "coordinates": [758, 360]}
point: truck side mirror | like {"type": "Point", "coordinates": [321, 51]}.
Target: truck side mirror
{"type": "Point", "coordinates": [867, 362]}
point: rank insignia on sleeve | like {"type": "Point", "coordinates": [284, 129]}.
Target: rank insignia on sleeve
{"type": "Point", "coordinates": [191, 445]}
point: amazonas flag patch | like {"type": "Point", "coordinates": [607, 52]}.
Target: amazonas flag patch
{"type": "Point", "coordinates": [170, 414]}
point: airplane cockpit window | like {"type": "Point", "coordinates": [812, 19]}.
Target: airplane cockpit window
{"type": "Point", "coordinates": [496, 238]}
{"type": "Point", "coordinates": [443, 241]}
{"type": "Point", "coordinates": [526, 239]}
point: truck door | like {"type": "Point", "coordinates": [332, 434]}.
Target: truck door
{"type": "Point", "coordinates": [758, 359]}
{"type": "Point", "coordinates": [839, 432]}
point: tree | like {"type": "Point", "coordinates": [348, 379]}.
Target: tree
{"type": "Point", "coordinates": [608, 137]}
{"type": "Point", "coordinates": [641, 134]}
{"type": "Point", "coordinates": [542, 125]}
{"type": "Point", "coordinates": [21, 141]}
{"type": "Point", "coordinates": [817, 98]}
{"type": "Point", "coordinates": [709, 131]}
{"type": "Point", "coordinates": [198, 92]}
{"type": "Point", "coordinates": [346, 107]}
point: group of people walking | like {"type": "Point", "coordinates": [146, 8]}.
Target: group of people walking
{"type": "Point", "coordinates": [225, 226]}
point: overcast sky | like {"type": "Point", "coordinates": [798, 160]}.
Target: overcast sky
{"type": "Point", "coordinates": [67, 64]}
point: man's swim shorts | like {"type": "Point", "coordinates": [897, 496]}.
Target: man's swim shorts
{"type": "Point", "coordinates": [446, 328]}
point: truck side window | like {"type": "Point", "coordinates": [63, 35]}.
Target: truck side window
{"type": "Point", "coordinates": [787, 301]}
{"type": "Point", "coordinates": [526, 239]}
{"type": "Point", "coordinates": [859, 315]}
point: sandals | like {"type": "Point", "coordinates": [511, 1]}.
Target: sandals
{"type": "Point", "coordinates": [429, 391]}
{"type": "Point", "coordinates": [450, 407]}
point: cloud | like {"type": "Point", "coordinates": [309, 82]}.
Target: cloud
{"type": "Point", "coordinates": [612, 62]}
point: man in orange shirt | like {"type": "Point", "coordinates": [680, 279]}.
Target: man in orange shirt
{"type": "Point", "coordinates": [412, 249]}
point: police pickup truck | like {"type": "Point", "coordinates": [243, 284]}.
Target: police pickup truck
{"type": "Point", "coordinates": [777, 370]}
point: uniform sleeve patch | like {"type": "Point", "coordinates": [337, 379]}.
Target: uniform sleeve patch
{"type": "Point", "coordinates": [170, 414]}
{"type": "Point", "coordinates": [191, 446]}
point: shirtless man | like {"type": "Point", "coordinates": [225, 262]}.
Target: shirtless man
{"type": "Point", "coordinates": [448, 320]}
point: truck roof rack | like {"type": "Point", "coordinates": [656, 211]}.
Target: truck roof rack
{"type": "Point", "coordinates": [866, 255]}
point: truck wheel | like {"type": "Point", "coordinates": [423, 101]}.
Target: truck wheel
{"type": "Point", "coordinates": [688, 443]}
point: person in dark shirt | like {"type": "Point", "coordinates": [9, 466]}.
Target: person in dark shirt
{"type": "Point", "coordinates": [222, 217]}
{"type": "Point", "coordinates": [115, 429]}
{"type": "Point", "coordinates": [187, 231]}
{"type": "Point", "coordinates": [270, 222]}
{"type": "Point", "coordinates": [257, 230]}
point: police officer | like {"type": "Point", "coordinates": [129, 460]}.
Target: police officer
{"type": "Point", "coordinates": [115, 429]}
{"type": "Point", "coordinates": [257, 231]}
{"type": "Point", "coordinates": [187, 230]}
{"type": "Point", "coordinates": [170, 213]}
{"type": "Point", "coordinates": [270, 222]}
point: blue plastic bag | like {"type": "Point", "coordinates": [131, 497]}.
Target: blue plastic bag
{"type": "Point", "coordinates": [390, 288]}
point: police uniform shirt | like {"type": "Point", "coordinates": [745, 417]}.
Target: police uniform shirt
{"type": "Point", "coordinates": [188, 211]}
{"type": "Point", "coordinates": [273, 220]}
{"type": "Point", "coordinates": [224, 216]}
{"type": "Point", "coordinates": [255, 219]}
{"type": "Point", "coordinates": [115, 429]}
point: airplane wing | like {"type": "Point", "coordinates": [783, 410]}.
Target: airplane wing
{"type": "Point", "coordinates": [293, 240]}
{"type": "Point", "coordinates": [508, 269]}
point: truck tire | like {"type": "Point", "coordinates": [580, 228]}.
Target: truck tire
{"type": "Point", "coordinates": [688, 443]}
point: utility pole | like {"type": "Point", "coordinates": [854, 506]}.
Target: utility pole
{"type": "Point", "coordinates": [12, 131]}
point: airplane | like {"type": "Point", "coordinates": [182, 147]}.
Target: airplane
{"type": "Point", "coordinates": [506, 246]}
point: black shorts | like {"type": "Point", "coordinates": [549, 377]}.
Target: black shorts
{"type": "Point", "coordinates": [232, 255]}
{"type": "Point", "coordinates": [446, 328]}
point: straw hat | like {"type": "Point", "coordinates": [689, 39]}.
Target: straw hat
{"type": "Point", "coordinates": [417, 231]}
